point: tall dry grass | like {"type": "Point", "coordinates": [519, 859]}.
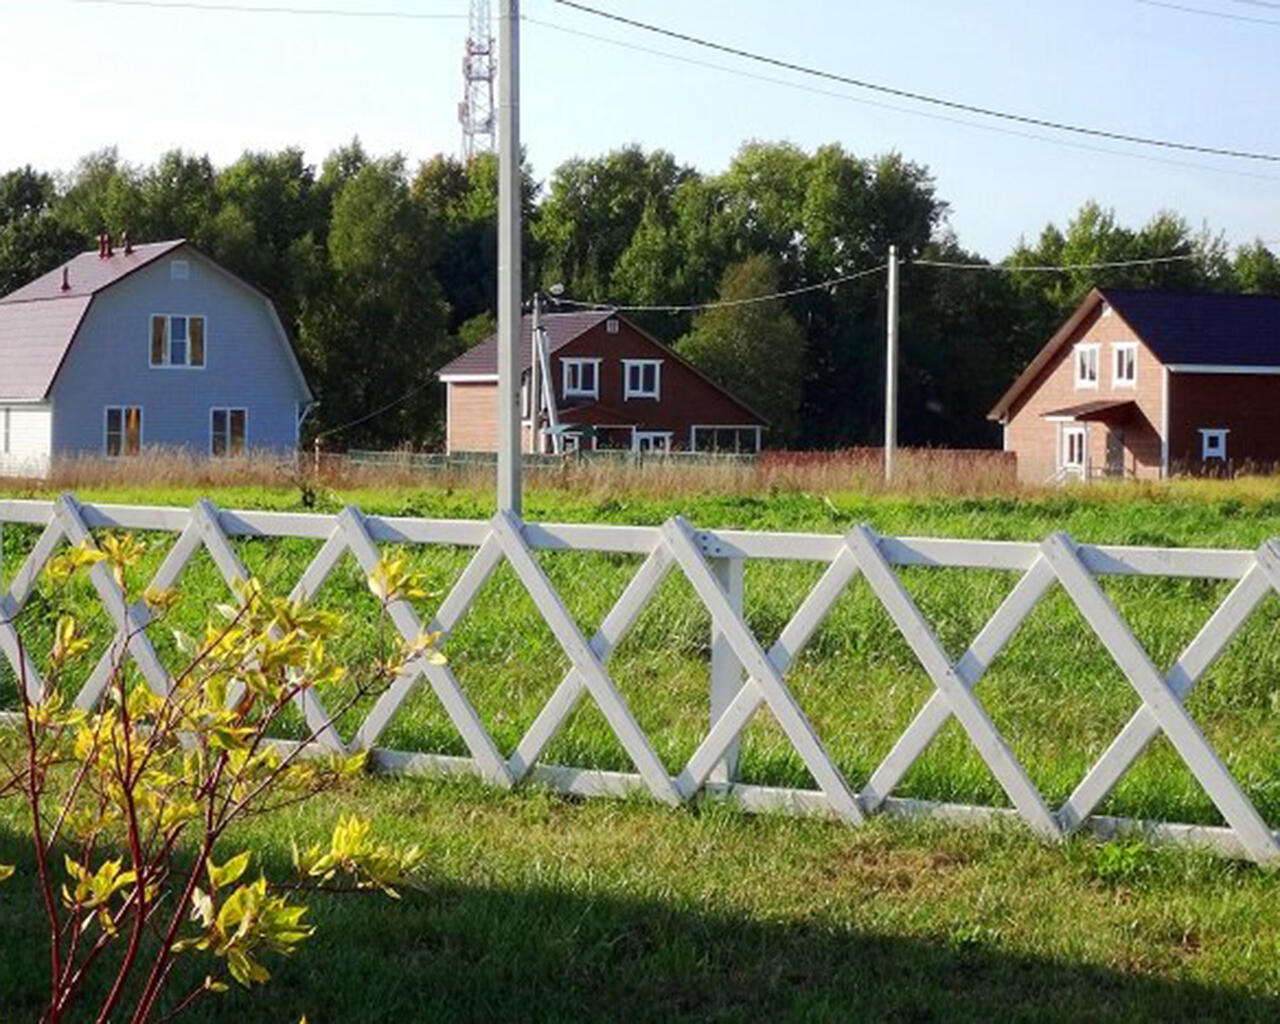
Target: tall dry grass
{"type": "Point", "coordinates": [919, 471]}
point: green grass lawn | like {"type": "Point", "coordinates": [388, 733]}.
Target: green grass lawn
{"type": "Point", "coordinates": [542, 908]}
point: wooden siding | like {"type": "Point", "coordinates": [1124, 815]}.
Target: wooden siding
{"type": "Point", "coordinates": [1036, 440]}
{"type": "Point", "coordinates": [29, 436]}
{"type": "Point", "coordinates": [1248, 405]}
{"type": "Point", "coordinates": [473, 418]}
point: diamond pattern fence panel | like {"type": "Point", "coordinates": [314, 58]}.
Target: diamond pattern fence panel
{"type": "Point", "coordinates": [745, 677]}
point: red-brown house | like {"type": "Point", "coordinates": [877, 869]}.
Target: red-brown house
{"type": "Point", "coordinates": [615, 387]}
{"type": "Point", "coordinates": [1147, 383]}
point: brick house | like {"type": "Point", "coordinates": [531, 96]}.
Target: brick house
{"type": "Point", "coordinates": [614, 387]}
{"type": "Point", "coordinates": [1140, 384]}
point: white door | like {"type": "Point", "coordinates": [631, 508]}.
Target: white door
{"type": "Point", "coordinates": [1074, 453]}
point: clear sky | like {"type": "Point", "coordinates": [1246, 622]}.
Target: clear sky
{"type": "Point", "coordinates": [78, 76]}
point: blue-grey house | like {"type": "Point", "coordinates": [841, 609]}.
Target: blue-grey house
{"type": "Point", "coordinates": [133, 348]}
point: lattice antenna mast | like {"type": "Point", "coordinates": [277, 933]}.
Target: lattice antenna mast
{"type": "Point", "coordinates": [476, 112]}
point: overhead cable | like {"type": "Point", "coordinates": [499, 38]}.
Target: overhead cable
{"type": "Point", "coordinates": [919, 97]}
{"type": "Point", "coordinates": [1226, 15]}
{"type": "Point", "coordinates": [834, 282]}
{"type": "Point", "coordinates": [1013, 268]}
{"type": "Point", "coordinates": [999, 129]}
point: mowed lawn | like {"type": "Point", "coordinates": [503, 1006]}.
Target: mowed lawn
{"type": "Point", "coordinates": [543, 908]}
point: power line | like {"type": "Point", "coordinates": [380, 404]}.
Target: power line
{"type": "Point", "coordinates": [378, 411]}
{"type": "Point", "coordinates": [918, 97]}
{"type": "Point", "coordinates": [725, 303]}
{"type": "Point", "coordinates": [1227, 15]}
{"type": "Point", "coordinates": [1049, 269]}
{"type": "Point", "coordinates": [880, 105]}
{"type": "Point", "coordinates": [233, 8]}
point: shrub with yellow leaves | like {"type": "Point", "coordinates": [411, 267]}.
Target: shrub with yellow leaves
{"type": "Point", "coordinates": [129, 800]}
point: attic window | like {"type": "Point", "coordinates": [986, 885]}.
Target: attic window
{"type": "Point", "coordinates": [179, 270]}
{"type": "Point", "coordinates": [611, 325]}
{"type": "Point", "coordinates": [177, 341]}
{"type": "Point", "coordinates": [1086, 366]}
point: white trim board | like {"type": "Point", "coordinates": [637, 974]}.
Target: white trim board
{"type": "Point", "coordinates": [467, 378]}
{"type": "Point", "coordinates": [1256, 371]}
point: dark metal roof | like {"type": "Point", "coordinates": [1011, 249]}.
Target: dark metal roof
{"type": "Point", "coordinates": [1216, 329]}
{"type": "Point", "coordinates": [1100, 409]}
{"type": "Point", "coordinates": [562, 328]}
{"type": "Point", "coordinates": [89, 273]}
{"type": "Point", "coordinates": [40, 319]}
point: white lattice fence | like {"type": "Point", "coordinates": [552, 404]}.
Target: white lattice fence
{"type": "Point", "coordinates": [744, 676]}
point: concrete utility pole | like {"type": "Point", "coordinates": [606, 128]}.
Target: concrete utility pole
{"type": "Point", "coordinates": [891, 368]}
{"type": "Point", "coordinates": [535, 368]}
{"type": "Point", "coordinates": [509, 486]}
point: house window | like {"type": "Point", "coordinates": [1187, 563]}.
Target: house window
{"type": "Point", "coordinates": [1213, 443]}
{"type": "Point", "coordinates": [611, 325]}
{"type": "Point", "coordinates": [725, 440]}
{"type": "Point", "coordinates": [123, 431]}
{"type": "Point", "coordinates": [652, 441]}
{"type": "Point", "coordinates": [1086, 366]}
{"type": "Point", "coordinates": [177, 341]}
{"type": "Point", "coordinates": [581, 378]}
{"type": "Point", "coordinates": [642, 378]}
{"type": "Point", "coordinates": [179, 270]}
{"type": "Point", "coordinates": [1125, 370]}
{"type": "Point", "coordinates": [227, 432]}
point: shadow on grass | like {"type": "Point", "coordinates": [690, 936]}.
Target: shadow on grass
{"type": "Point", "coordinates": [461, 953]}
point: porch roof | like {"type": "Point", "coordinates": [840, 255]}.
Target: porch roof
{"type": "Point", "coordinates": [1101, 410]}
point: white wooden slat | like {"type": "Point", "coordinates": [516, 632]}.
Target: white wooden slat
{"type": "Point", "coordinates": [735, 716]}
{"type": "Point", "coordinates": [318, 569]}
{"type": "Point", "coordinates": [585, 660]}
{"type": "Point", "coordinates": [11, 646]}
{"type": "Point", "coordinates": [166, 575]}
{"type": "Point", "coordinates": [973, 664]}
{"type": "Point", "coordinates": [616, 625]}
{"type": "Point", "coordinates": [986, 739]}
{"type": "Point", "coordinates": [402, 615]}
{"type": "Point", "coordinates": [450, 612]}
{"type": "Point", "coordinates": [1201, 653]}
{"type": "Point", "coordinates": [126, 617]}
{"type": "Point", "coordinates": [726, 670]}
{"type": "Point", "coordinates": [1168, 711]}
{"type": "Point", "coordinates": [762, 671]}
{"type": "Point", "coordinates": [28, 575]}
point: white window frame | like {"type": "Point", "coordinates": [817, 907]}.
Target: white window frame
{"type": "Point", "coordinates": [1092, 350]}
{"type": "Point", "coordinates": [570, 364]}
{"type": "Point", "coordinates": [106, 430]}
{"type": "Point", "coordinates": [640, 365]}
{"type": "Point", "coordinates": [179, 270]}
{"type": "Point", "coordinates": [168, 363]}
{"type": "Point", "coordinates": [228, 410]}
{"type": "Point", "coordinates": [739, 428]}
{"type": "Point", "coordinates": [611, 325]}
{"type": "Point", "coordinates": [639, 437]}
{"type": "Point", "coordinates": [1213, 443]}
{"type": "Point", "coordinates": [1069, 432]}
{"type": "Point", "coordinates": [1120, 349]}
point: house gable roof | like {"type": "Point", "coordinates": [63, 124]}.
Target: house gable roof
{"type": "Point", "coordinates": [1180, 328]}
{"type": "Point", "coordinates": [39, 321]}
{"type": "Point", "coordinates": [481, 362]}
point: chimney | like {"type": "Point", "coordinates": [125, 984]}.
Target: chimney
{"type": "Point", "coordinates": [107, 237]}
{"type": "Point", "coordinates": [128, 245]}
{"type": "Point", "coordinates": [66, 282]}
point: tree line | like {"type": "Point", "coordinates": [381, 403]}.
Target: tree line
{"type": "Point", "coordinates": [384, 271]}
